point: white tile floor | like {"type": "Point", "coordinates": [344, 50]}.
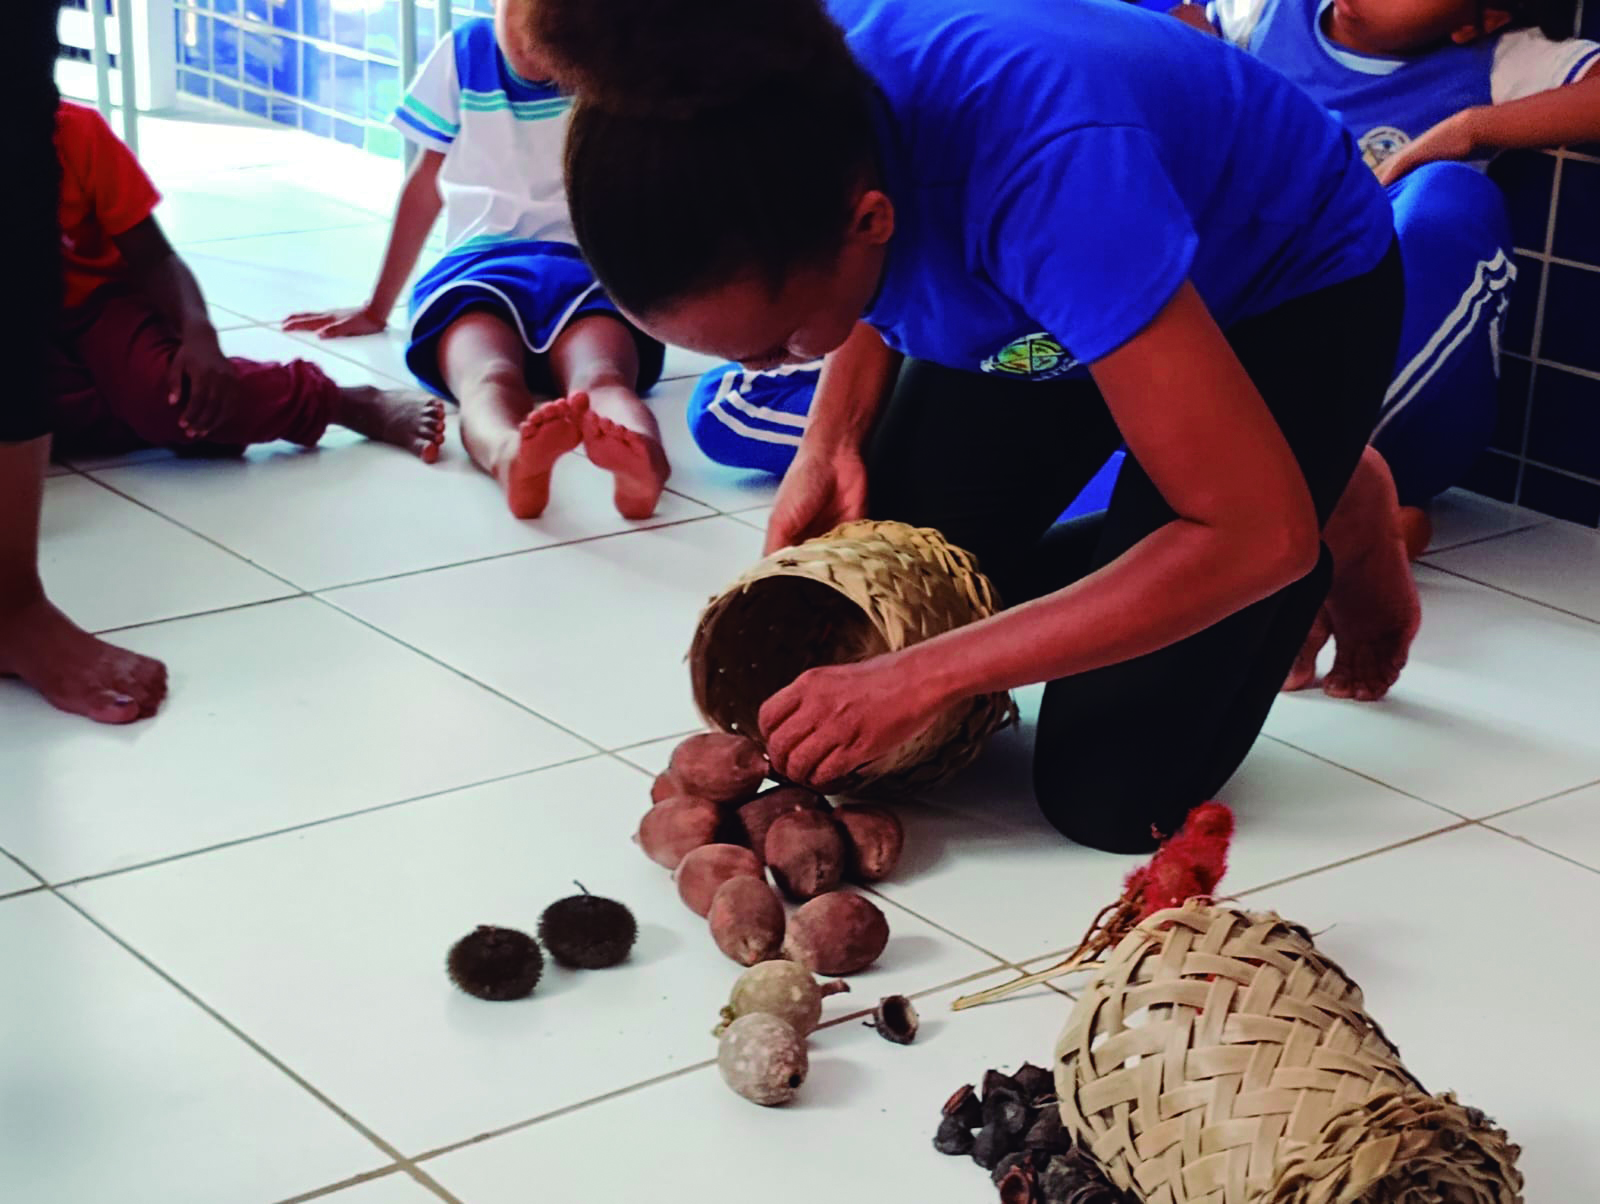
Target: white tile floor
{"type": "Point", "coordinates": [397, 713]}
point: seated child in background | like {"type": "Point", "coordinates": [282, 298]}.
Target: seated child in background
{"type": "Point", "coordinates": [1431, 90]}
{"type": "Point", "coordinates": [136, 361]}
{"type": "Point", "coordinates": [510, 323]}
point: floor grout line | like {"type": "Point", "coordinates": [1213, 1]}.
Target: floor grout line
{"type": "Point", "coordinates": [1363, 775]}
{"type": "Point", "coordinates": [323, 821]}
{"type": "Point", "coordinates": [218, 544]}
{"type": "Point", "coordinates": [319, 591]}
{"type": "Point", "coordinates": [1510, 593]}
{"type": "Point", "coordinates": [390, 1151]}
{"type": "Point", "coordinates": [200, 614]}
{"type": "Point", "coordinates": [669, 1076]}
{"type": "Point", "coordinates": [1351, 860]}
{"type": "Point", "coordinates": [1476, 540]}
{"type": "Point", "coordinates": [1549, 798]}
{"type": "Point", "coordinates": [1535, 845]}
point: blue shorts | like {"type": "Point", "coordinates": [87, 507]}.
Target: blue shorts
{"type": "Point", "coordinates": [540, 288]}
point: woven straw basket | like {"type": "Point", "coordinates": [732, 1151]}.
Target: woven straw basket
{"type": "Point", "coordinates": [1218, 1058]}
{"type": "Point", "coordinates": [863, 589]}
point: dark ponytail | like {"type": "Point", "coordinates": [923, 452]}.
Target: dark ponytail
{"type": "Point", "coordinates": [712, 139]}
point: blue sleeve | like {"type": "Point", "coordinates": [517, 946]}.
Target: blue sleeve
{"type": "Point", "coordinates": [1090, 237]}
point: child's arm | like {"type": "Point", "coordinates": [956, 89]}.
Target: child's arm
{"type": "Point", "coordinates": [413, 218]}
{"type": "Point", "coordinates": [203, 381]}
{"type": "Point", "coordinates": [1553, 118]}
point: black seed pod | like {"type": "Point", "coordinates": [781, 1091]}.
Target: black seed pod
{"type": "Point", "coordinates": [964, 1106]}
{"type": "Point", "coordinates": [1048, 1133]}
{"type": "Point", "coordinates": [992, 1144]}
{"type": "Point", "coordinates": [895, 1019]}
{"type": "Point", "coordinates": [953, 1137]}
{"type": "Point", "coordinates": [1006, 1110]}
{"type": "Point", "coordinates": [587, 932]}
{"type": "Point", "coordinates": [496, 963]}
{"type": "Point", "coordinates": [1035, 1082]}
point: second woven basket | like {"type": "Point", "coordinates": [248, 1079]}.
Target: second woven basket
{"type": "Point", "coordinates": [1219, 1058]}
{"type": "Point", "coordinates": [863, 589]}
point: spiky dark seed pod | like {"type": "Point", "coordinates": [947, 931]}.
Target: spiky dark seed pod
{"type": "Point", "coordinates": [587, 932]}
{"type": "Point", "coordinates": [1006, 1109]}
{"type": "Point", "coordinates": [953, 1137]}
{"type": "Point", "coordinates": [895, 1019]}
{"type": "Point", "coordinates": [496, 963]}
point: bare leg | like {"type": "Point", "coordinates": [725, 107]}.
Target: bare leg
{"type": "Point", "coordinates": [509, 433]}
{"type": "Point", "coordinates": [71, 668]}
{"type": "Point", "coordinates": [1372, 612]}
{"type": "Point", "coordinates": [404, 418]}
{"type": "Point", "coordinates": [596, 358]}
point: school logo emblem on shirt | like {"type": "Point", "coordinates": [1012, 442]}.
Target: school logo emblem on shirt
{"type": "Point", "coordinates": [1036, 356]}
{"type": "Point", "coordinates": [1378, 144]}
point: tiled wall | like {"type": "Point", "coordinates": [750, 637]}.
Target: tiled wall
{"type": "Point", "coordinates": [330, 67]}
{"type": "Point", "coordinates": [1546, 452]}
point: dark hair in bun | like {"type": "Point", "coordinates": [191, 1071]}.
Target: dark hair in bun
{"type": "Point", "coordinates": [711, 140]}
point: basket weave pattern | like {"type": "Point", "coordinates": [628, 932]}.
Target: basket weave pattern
{"type": "Point", "coordinates": [1219, 1058]}
{"type": "Point", "coordinates": [863, 589]}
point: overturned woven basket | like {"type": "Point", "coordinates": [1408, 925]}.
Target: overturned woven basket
{"type": "Point", "coordinates": [863, 589]}
{"type": "Point", "coordinates": [1218, 1058]}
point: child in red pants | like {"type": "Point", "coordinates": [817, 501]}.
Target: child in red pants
{"type": "Point", "coordinates": [136, 361]}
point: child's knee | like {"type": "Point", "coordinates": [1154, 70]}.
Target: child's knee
{"type": "Point", "coordinates": [490, 376]}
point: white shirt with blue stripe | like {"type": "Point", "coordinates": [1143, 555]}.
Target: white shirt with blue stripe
{"type": "Point", "coordinates": [1387, 102]}
{"type": "Point", "coordinates": [501, 137]}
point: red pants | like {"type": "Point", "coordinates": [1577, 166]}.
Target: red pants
{"type": "Point", "coordinates": [113, 378]}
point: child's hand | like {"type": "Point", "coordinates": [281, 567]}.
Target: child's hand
{"type": "Point", "coordinates": [205, 387]}
{"type": "Point", "coordinates": [338, 323]}
{"type": "Point", "coordinates": [1449, 141]}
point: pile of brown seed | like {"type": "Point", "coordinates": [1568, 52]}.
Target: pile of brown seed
{"type": "Point", "coordinates": [1012, 1128]}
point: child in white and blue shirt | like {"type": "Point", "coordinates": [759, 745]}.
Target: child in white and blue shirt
{"type": "Point", "coordinates": [1431, 90]}
{"type": "Point", "coordinates": [510, 322]}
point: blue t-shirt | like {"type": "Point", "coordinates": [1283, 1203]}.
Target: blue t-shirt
{"type": "Point", "coordinates": [1059, 169]}
{"type": "Point", "coordinates": [1386, 102]}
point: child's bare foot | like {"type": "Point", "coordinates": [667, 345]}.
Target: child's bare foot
{"type": "Point", "coordinates": [549, 432]}
{"type": "Point", "coordinates": [1416, 527]}
{"type": "Point", "coordinates": [637, 461]}
{"type": "Point", "coordinates": [74, 670]}
{"type": "Point", "coordinates": [405, 418]}
{"type": "Point", "coordinates": [1372, 611]}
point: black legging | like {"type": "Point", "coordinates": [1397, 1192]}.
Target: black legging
{"type": "Point", "coordinates": [992, 462]}
{"type": "Point", "coordinates": [35, 247]}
